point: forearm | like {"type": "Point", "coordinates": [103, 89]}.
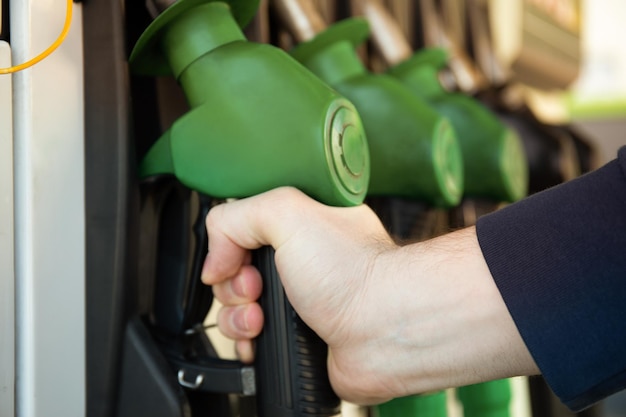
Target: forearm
{"type": "Point", "coordinates": [439, 319]}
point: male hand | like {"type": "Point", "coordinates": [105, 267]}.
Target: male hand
{"type": "Point", "coordinates": [324, 255]}
{"type": "Point", "coordinates": [397, 320]}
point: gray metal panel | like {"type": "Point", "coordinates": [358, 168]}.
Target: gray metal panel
{"type": "Point", "coordinates": [49, 223]}
{"type": "Point", "coordinates": [7, 270]}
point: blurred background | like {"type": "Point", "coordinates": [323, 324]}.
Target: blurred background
{"type": "Point", "coordinates": [597, 98]}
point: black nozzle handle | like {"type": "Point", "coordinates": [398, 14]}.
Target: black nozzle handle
{"type": "Point", "coordinates": [291, 372]}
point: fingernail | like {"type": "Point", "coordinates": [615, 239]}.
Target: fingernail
{"type": "Point", "coordinates": [238, 287]}
{"type": "Point", "coordinates": [240, 319]}
{"type": "Point", "coordinates": [245, 350]}
{"type": "Point", "coordinates": [205, 275]}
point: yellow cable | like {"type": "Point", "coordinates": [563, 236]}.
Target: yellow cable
{"type": "Point", "coordinates": [50, 49]}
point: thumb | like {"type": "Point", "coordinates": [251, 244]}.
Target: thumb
{"type": "Point", "coordinates": [236, 227]}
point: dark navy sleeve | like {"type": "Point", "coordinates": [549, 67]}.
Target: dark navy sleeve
{"type": "Point", "coordinates": [559, 261]}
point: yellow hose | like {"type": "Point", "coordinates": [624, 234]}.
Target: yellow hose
{"type": "Point", "coordinates": [50, 49]}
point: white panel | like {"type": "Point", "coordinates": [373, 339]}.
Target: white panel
{"type": "Point", "coordinates": [49, 213]}
{"type": "Point", "coordinates": [7, 272]}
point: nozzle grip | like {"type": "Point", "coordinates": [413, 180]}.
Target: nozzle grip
{"type": "Point", "coordinates": [291, 371]}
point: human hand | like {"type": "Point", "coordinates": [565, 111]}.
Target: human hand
{"type": "Point", "coordinates": [324, 256]}
{"type": "Point", "coordinates": [397, 321]}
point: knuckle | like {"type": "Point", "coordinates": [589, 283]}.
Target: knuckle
{"type": "Point", "coordinates": [210, 219]}
{"type": "Point", "coordinates": [224, 293]}
{"type": "Point", "coordinates": [225, 323]}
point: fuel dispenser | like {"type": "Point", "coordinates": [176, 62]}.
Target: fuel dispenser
{"type": "Point", "coordinates": [149, 181]}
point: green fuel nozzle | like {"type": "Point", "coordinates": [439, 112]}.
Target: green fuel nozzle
{"type": "Point", "coordinates": [258, 119]}
{"type": "Point", "coordinates": [413, 149]}
{"type": "Point", "coordinates": [487, 399]}
{"type": "Point", "coordinates": [495, 162]}
{"type": "Point", "coordinates": [431, 405]}
{"type": "Point", "coordinates": [494, 159]}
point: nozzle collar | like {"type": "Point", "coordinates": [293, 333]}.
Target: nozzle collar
{"type": "Point", "coordinates": [354, 30]}
{"type": "Point", "coordinates": [148, 58]}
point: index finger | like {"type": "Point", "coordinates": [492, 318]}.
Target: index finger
{"type": "Point", "coordinates": [239, 226]}
{"type": "Point", "coordinates": [225, 256]}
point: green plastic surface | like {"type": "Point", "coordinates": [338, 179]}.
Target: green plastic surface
{"type": "Point", "coordinates": [487, 399]}
{"type": "Point", "coordinates": [148, 57]}
{"type": "Point", "coordinates": [413, 149]}
{"type": "Point", "coordinates": [258, 119]}
{"type": "Point", "coordinates": [426, 405]}
{"type": "Point", "coordinates": [494, 158]}
{"type": "Point", "coordinates": [355, 31]}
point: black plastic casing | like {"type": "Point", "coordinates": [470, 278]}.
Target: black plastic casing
{"type": "Point", "coordinates": [291, 360]}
